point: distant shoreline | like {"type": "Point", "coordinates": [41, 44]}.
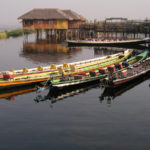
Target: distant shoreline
{"type": "Point", "coordinates": [13, 33]}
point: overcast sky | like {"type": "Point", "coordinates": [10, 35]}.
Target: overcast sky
{"type": "Point", "coordinates": [10, 10]}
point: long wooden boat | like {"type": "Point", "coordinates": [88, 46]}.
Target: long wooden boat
{"type": "Point", "coordinates": [130, 74]}
{"type": "Point", "coordinates": [54, 68]}
{"type": "Point", "coordinates": [20, 80]}
{"type": "Point", "coordinates": [107, 42]}
{"type": "Point", "coordinates": [91, 77]}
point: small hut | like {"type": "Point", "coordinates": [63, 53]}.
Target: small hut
{"type": "Point", "coordinates": [54, 22]}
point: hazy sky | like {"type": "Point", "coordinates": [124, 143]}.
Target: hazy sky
{"type": "Point", "coordinates": [10, 10]}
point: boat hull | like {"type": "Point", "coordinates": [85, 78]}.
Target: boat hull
{"type": "Point", "coordinates": [6, 85]}
{"type": "Point", "coordinates": [77, 84]}
{"type": "Point", "coordinates": [115, 43]}
{"type": "Point", "coordinates": [132, 78]}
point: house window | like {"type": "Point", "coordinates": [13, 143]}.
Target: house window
{"type": "Point", "coordinates": [28, 22]}
{"type": "Point", "coordinates": [50, 22]}
{"type": "Point", "coordinates": [40, 22]}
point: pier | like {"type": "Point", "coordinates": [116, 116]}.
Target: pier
{"type": "Point", "coordinates": [66, 24]}
{"type": "Point", "coordinates": [112, 28]}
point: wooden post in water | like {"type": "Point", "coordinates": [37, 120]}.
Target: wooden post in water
{"type": "Point", "coordinates": [24, 37]}
{"type": "Point", "coordinates": [134, 35]}
{"type": "Point", "coordinates": [66, 35]}
{"type": "Point", "coordinates": [149, 30]}
{"type": "Point", "coordinates": [116, 35]}
{"type": "Point", "coordinates": [37, 34]}
{"type": "Point", "coordinates": [47, 33]}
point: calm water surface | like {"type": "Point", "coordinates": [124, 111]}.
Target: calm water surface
{"type": "Point", "coordinates": [91, 119]}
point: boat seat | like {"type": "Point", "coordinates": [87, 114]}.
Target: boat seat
{"type": "Point", "coordinates": [124, 73]}
{"type": "Point", "coordinates": [147, 62]}
{"type": "Point", "coordinates": [8, 76]}
{"type": "Point", "coordinates": [118, 75]}
{"type": "Point", "coordinates": [121, 56]}
{"type": "Point", "coordinates": [40, 68]}
{"type": "Point", "coordinates": [108, 56]}
{"type": "Point", "coordinates": [137, 65]}
{"type": "Point", "coordinates": [25, 70]}
{"type": "Point", "coordinates": [12, 70]}
{"type": "Point", "coordinates": [118, 66]}
{"type": "Point", "coordinates": [65, 65]}
{"type": "Point", "coordinates": [77, 77]}
{"type": "Point", "coordinates": [73, 68]}
{"type": "Point", "coordinates": [53, 66]}
{"type": "Point", "coordinates": [82, 73]}
{"type": "Point", "coordinates": [111, 69]}
{"type": "Point", "coordinates": [101, 71]}
{"type": "Point", "coordinates": [92, 73]}
{"type": "Point", "coordinates": [125, 63]}
{"type": "Point", "coordinates": [129, 71]}
{"type": "Point", "coordinates": [60, 70]}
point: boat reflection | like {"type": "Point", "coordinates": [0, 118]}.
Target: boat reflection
{"type": "Point", "coordinates": [10, 94]}
{"type": "Point", "coordinates": [44, 51]}
{"type": "Point", "coordinates": [54, 95]}
{"type": "Point", "coordinates": [110, 94]}
{"type": "Point", "coordinates": [57, 95]}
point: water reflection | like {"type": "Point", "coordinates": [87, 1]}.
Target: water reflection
{"type": "Point", "coordinates": [44, 51]}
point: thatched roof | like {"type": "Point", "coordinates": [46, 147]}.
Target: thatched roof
{"type": "Point", "coordinates": [74, 15]}
{"type": "Point", "coordinates": [51, 13]}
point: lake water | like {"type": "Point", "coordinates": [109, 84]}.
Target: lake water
{"type": "Point", "coordinates": [90, 119]}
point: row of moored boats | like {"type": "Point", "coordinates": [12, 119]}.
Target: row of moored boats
{"type": "Point", "coordinates": [112, 71]}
